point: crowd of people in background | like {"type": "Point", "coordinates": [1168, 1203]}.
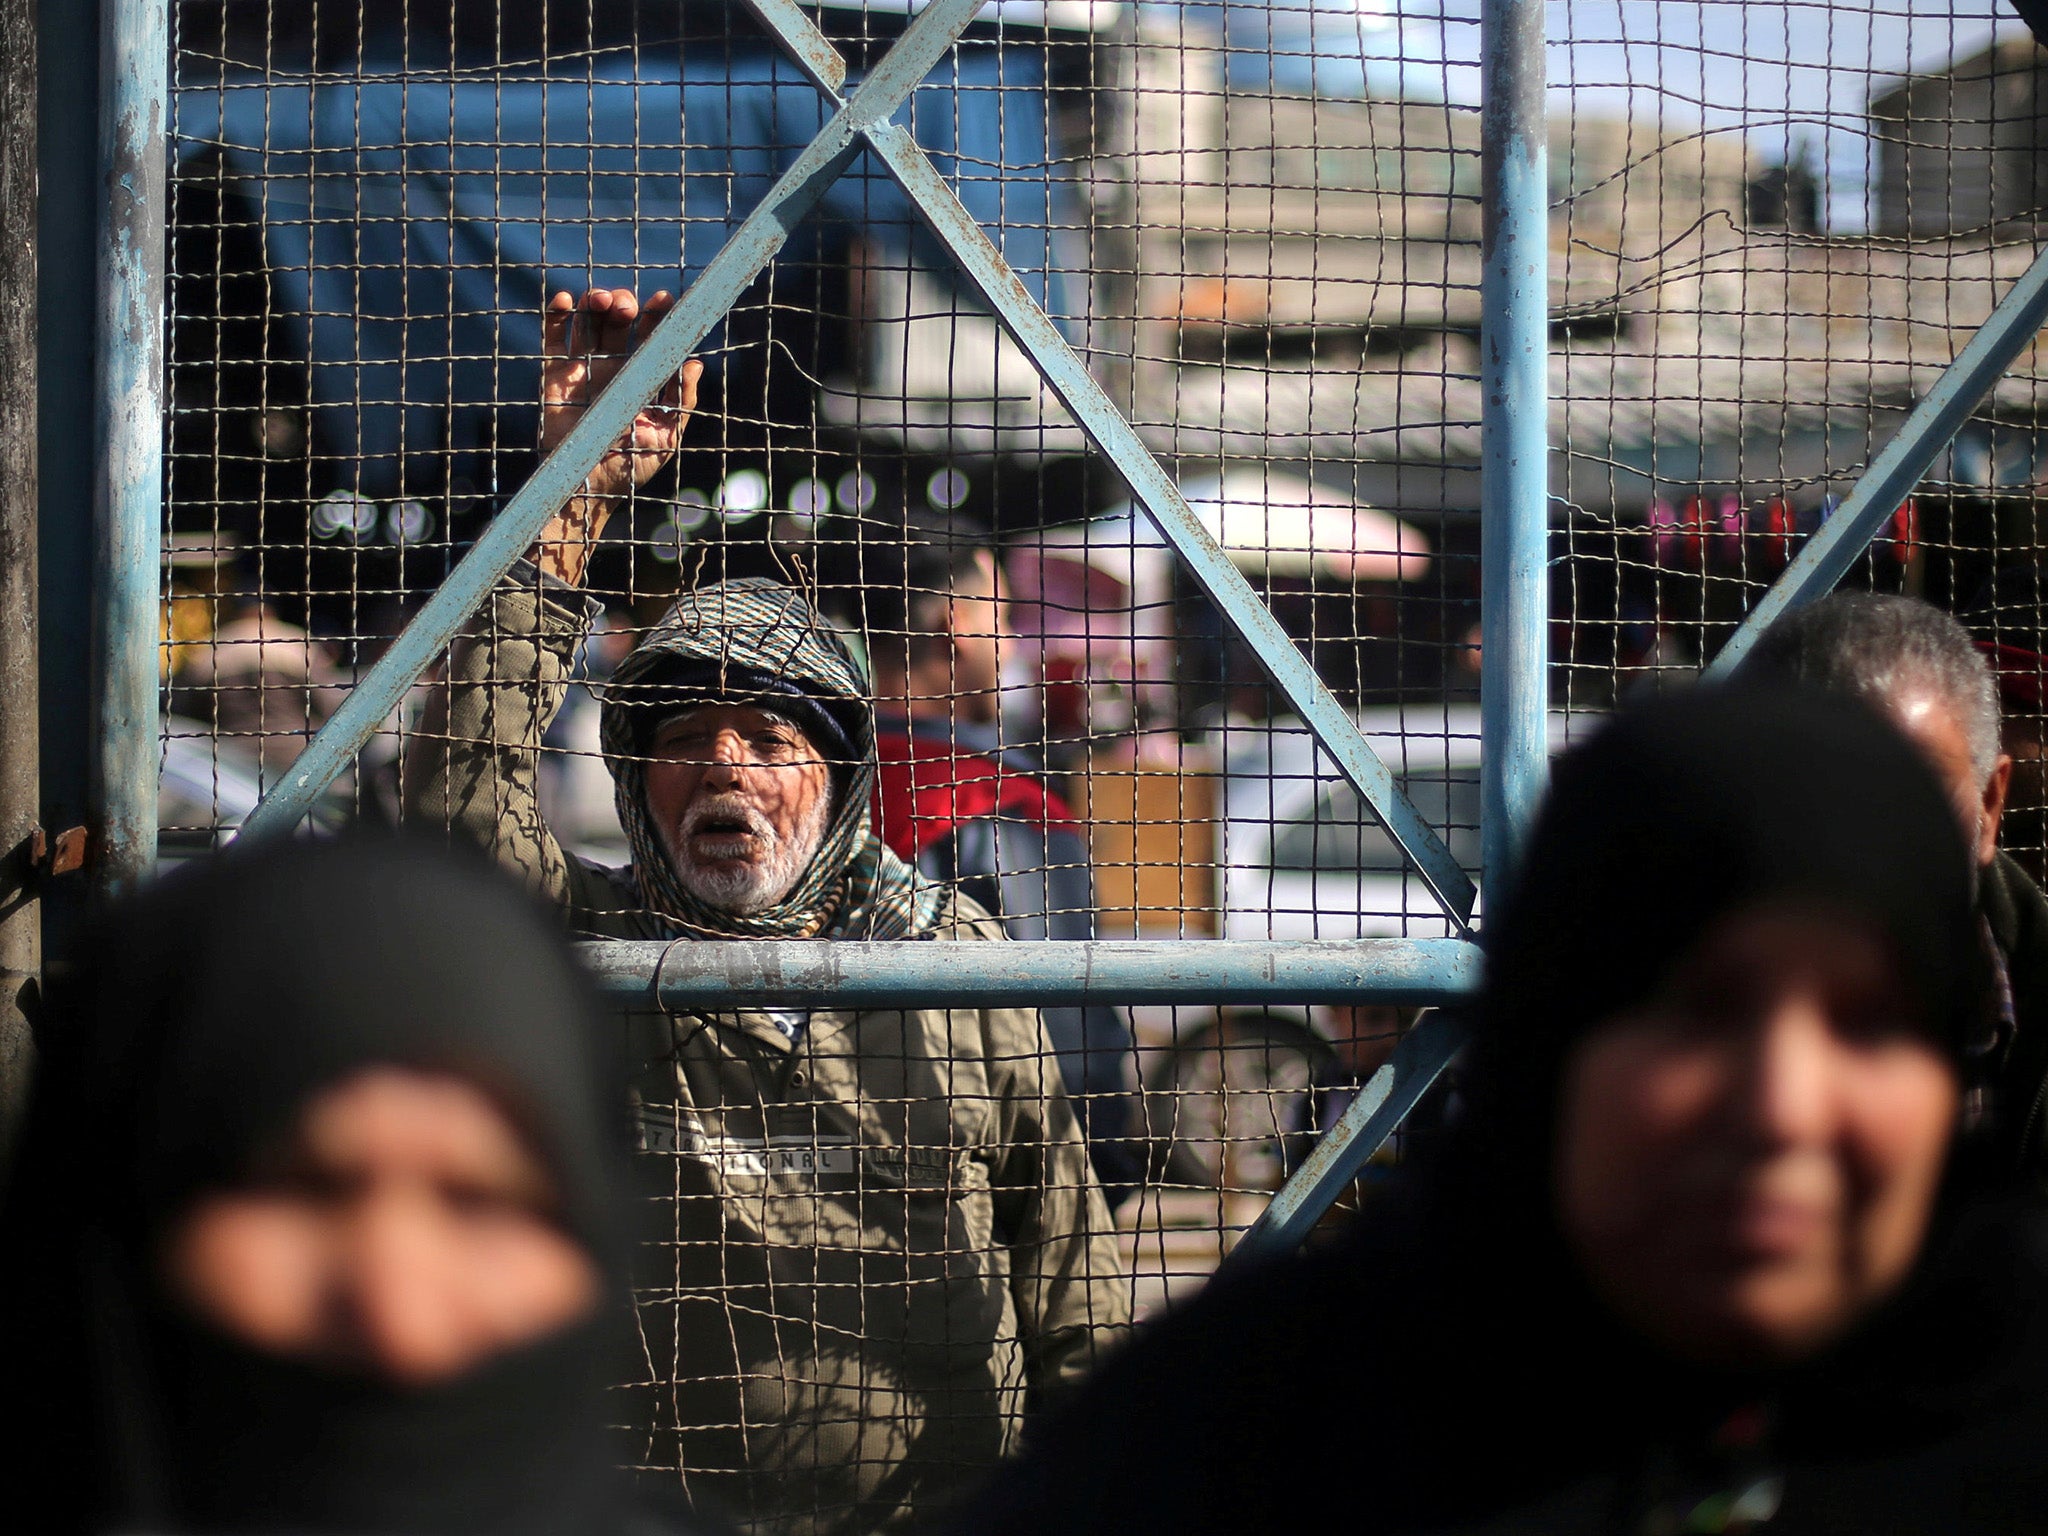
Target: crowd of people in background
{"type": "Point", "coordinates": [385, 1227]}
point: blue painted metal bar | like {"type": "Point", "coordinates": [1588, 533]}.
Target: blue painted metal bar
{"type": "Point", "coordinates": [1836, 546]}
{"type": "Point", "coordinates": [128, 475]}
{"type": "Point", "coordinates": [1368, 1120]}
{"type": "Point", "coordinates": [1514, 430]}
{"type": "Point", "coordinates": [1069, 379]}
{"type": "Point", "coordinates": [763, 232]}
{"type": "Point", "coordinates": [811, 48]}
{"type": "Point", "coordinates": [823, 973]}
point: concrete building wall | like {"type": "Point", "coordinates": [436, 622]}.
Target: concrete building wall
{"type": "Point", "coordinates": [1962, 152]}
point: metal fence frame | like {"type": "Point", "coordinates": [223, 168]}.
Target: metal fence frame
{"type": "Point", "coordinates": [128, 384]}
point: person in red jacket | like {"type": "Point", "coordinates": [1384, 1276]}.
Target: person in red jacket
{"type": "Point", "coordinates": [926, 596]}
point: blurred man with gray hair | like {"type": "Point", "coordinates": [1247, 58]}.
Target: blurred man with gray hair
{"type": "Point", "coordinates": [1919, 667]}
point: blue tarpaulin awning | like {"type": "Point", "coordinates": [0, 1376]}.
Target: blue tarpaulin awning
{"type": "Point", "coordinates": [413, 224]}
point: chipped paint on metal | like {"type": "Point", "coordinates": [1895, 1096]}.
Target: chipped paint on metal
{"type": "Point", "coordinates": [1514, 431]}
{"type": "Point", "coordinates": [129, 427]}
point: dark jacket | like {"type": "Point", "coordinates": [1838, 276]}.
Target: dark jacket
{"type": "Point", "coordinates": [1358, 1389]}
{"type": "Point", "coordinates": [2016, 915]}
{"type": "Point", "coordinates": [982, 821]}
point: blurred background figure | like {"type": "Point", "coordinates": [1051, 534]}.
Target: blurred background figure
{"type": "Point", "coordinates": [1920, 668]}
{"type": "Point", "coordinates": [323, 1192]}
{"type": "Point", "coordinates": [928, 603]}
{"type": "Point", "coordinates": [2006, 617]}
{"type": "Point", "coordinates": [1695, 1257]}
{"type": "Point", "coordinates": [236, 668]}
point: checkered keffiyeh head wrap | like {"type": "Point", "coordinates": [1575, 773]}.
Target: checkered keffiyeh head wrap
{"type": "Point", "coordinates": [758, 642]}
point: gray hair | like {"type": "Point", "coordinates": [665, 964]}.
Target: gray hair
{"type": "Point", "coordinates": [1878, 647]}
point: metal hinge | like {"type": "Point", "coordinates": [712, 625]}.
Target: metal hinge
{"type": "Point", "coordinates": [62, 855]}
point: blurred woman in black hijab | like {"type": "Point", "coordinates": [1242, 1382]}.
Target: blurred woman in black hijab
{"type": "Point", "coordinates": [1698, 1257]}
{"type": "Point", "coordinates": [322, 1190]}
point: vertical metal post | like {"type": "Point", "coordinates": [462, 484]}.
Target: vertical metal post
{"type": "Point", "coordinates": [128, 466]}
{"type": "Point", "coordinates": [21, 917]}
{"type": "Point", "coordinates": [1514, 579]}
{"type": "Point", "coordinates": [1514, 426]}
{"type": "Point", "coordinates": [67, 230]}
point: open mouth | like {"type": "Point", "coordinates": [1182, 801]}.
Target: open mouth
{"type": "Point", "coordinates": [727, 831]}
{"type": "Point", "coordinates": [726, 836]}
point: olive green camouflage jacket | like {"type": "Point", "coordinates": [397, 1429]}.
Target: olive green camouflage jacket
{"type": "Point", "coordinates": [879, 1244]}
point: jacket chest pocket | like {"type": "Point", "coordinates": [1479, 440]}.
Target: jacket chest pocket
{"type": "Point", "coordinates": [932, 1280]}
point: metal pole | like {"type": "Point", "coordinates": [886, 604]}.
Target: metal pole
{"type": "Point", "coordinates": [21, 917]}
{"type": "Point", "coordinates": [128, 464]}
{"type": "Point", "coordinates": [1827, 556]}
{"type": "Point", "coordinates": [828, 973]}
{"type": "Point", "coordinates": [1514, 429]}
{"type": "Point", "coordinates": [67, 229]}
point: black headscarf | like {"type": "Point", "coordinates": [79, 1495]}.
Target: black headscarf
{"type": "Point", "coordinates": [1686, 810]}
{"type": "Point", "coordinates": [217, 1007]}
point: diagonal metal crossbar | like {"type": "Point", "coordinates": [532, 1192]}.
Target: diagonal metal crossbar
{"type": "Point", "coordinates": [864, 121]}
{"type": "Point", "coordinates": [1827, 556]}
{"type": "Point", "coordinates": [1381, 1104]}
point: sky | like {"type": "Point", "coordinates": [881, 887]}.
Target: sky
{"type": "Point", "coordinates": [1795, 77]}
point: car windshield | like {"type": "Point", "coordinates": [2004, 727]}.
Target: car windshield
{"type": "Point", "coordinates": [1343, 835]}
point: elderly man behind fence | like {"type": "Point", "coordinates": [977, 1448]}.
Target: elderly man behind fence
{"type": "Point", "coordinates": [887, 1245]}
{"type": "Point", "coordinates": [1919, 666]}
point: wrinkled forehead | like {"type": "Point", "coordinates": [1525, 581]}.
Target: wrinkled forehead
{"type": "Point", "coordinates": [728, 714]}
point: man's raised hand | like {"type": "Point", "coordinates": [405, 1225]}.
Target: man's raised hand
{"type": "Point", "coordinates": [584, 342]}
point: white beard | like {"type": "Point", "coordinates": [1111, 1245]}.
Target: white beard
{"type": "Point", "coordinates": [745, 888]}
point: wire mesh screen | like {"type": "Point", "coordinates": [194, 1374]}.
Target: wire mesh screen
{"type": "Point", "coordinates": [1259, 227]}
{"type": "Point", "coordinates": [1772, 227]}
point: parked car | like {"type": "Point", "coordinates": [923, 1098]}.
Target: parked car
{"type": "Point", "coordinates": [209, 785]}
{"type": "Point", "coordinates": [1303, 857]}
